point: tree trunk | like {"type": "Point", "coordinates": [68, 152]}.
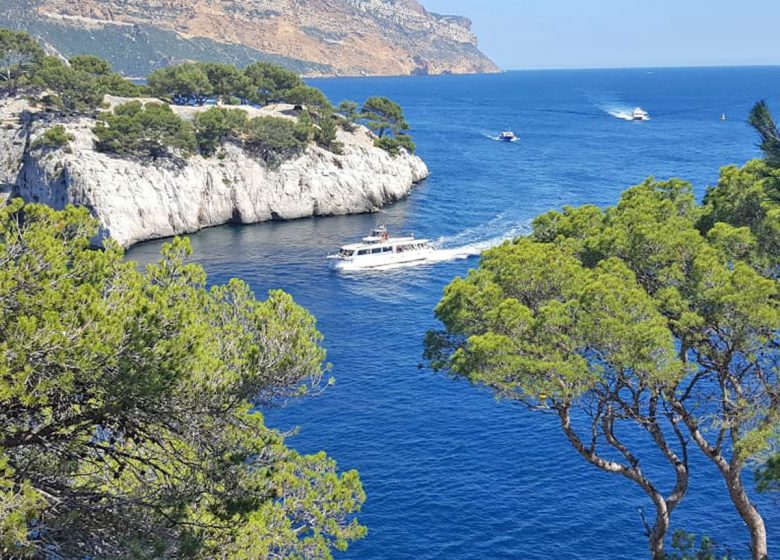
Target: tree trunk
{"type": "Point", "coordinates": [732, 475]}
{"type": "Point", "coordinates": [657, 535]}
{"type": "Point", "coordinates": [749, 514]}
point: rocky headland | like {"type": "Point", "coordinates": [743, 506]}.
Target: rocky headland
{"type": "Point", "coordinates": [139, 199]}
{"type": "Point", "coordinates": [314, 37]}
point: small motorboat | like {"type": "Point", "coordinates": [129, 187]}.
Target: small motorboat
{"type": "Point", "coordinates": [639, 114]}
{"type": "Point", "coordinates": [723, 116]}
{"type": "Point", "coordinates": [379, 250]}
{"type": "Point", "coordinates": [507, 136]}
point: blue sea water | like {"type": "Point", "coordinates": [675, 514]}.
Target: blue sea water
{"type": "Point", "coordinates": [450, 472]}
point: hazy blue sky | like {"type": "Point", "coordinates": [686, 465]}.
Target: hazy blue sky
{"type": "Point", "coordinates": [622, 33]}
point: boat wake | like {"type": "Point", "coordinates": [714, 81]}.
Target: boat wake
{"type": "Point", "coordinates": [618, 111]}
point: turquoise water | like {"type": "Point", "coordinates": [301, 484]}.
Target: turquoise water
{"type": "Point", "coordinates": [451, 473]}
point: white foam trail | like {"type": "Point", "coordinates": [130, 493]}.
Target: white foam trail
{"type": "Point", "coordinates": [498, 227]}
{"type": "Point", "coordinates": [618, 111]}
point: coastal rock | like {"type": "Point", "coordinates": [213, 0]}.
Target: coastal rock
{"type": "Point", "coordinates": [136, 200]}
{"type": "Point", "coordinates": [314, 37]}
{"type": "Point", "coordinates": [13, 144]}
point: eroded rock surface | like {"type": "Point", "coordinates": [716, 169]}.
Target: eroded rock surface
{"type": "Point", "coordinates": [136, 200]}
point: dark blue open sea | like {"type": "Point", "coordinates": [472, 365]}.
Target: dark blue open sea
{"type": "Point", "coordinates": [450, 472]}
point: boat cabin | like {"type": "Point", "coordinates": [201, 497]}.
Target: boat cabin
{"type": "Point", "coordinates": [377, 235]}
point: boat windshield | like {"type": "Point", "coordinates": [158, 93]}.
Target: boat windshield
{"type": "Point", "coordinates": [379, 233]}
{"type": "Point", "coordinates": [346, 253]}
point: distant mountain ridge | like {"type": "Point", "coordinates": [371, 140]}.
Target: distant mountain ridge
{"type": "Point", "coordinates": [314, 37]}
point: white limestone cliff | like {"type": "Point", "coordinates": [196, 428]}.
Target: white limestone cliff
{"type": "Point", "coordinates": [136, 200]}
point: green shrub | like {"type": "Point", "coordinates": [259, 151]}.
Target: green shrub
{"type": "Point", "coordinates": [348, 109]}
{"type": "Point", "coordinates": [78, 90]}
{"type": "Point", "coordinates": [54, 138]}
{"type": "Point", "coordinates": [138, 130]}
{"type": "Point", "coordinates": [269, 82]}
{"type": "Point", "coordinates": [214, 126]}
{"type": "Point", "coordinates": [325, 136]}
{"type": "Point", "coordinates": [383, 116]}
{"type": "Point", "coordinates": [52, 102]}
{"type": "Point", "coordinates": [82, 83]}
{"type": "Point", "coordinates": [227, 82]}
{"type": "Point", "coordinates": [310, 98]}
{"type": "Point", "coordinates": [19, 53]}
{"type": "Point", "coordinates": [304, 127]}
{"type": "Point", "coordinates": [393, 144]}
{"type": "Point", "coordinates": [386, 120]}
{"type": "Point", "coordinates": [261, 82]}
{"type": "Point", "coordinates": [272, 138]}
{"type": "Point", "coordinates": [183, 84]}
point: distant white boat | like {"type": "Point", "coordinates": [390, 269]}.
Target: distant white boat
{"type": "Point", "coordinates": [639, 114]}
{"type": "Point", "coordinates": [507, 136]}
{"type": "Point", "coordinates": [723, 116]}
{"type": "Point", "coordinates": [379, 250]}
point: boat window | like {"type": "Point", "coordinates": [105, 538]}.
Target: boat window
{"type": "Point", "coordinates": [364, 251]}
{"type": "Point", "coordinates": [377, 250]}
{"type": "Point", "coordinates": [387, 249]}
{"type": "Point", "coordinates": [346, 253]}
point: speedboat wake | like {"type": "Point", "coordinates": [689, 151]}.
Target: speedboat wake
{"type": "Point", "coordinates": [622, 112]}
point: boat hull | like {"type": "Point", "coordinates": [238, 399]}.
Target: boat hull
{"type": "Point", "coordinates": [380, 261]}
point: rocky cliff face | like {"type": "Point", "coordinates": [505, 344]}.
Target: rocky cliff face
{"type": "Point", "coordinates": [138, 200]}
{"type": "Point", "coordinates": [320, 37]}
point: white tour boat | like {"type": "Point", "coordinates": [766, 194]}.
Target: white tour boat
{"type": "Point", "coordinates": [639, 114]}
{"type": "Point", "coordinates": [507, 136]}
{"type": "Point", "coordinates": [380, 250]}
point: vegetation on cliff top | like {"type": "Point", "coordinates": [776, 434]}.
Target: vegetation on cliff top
{"type": "Point", "coordinates": [80, 84]}
{"type": "Point", "coordinates": [386, 119]}
{"type": "Point", "coordinates": [128, 419]}
{"type": "Point", "coordinates": [144, 130]}
{"type": "Point", "coordinates": [153, 130]}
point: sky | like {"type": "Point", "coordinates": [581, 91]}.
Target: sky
{"type": "Point", "coordinates": [525, 34]}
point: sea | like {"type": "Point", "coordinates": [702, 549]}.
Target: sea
{"type": "Point", "coordinates": [451, 472]}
